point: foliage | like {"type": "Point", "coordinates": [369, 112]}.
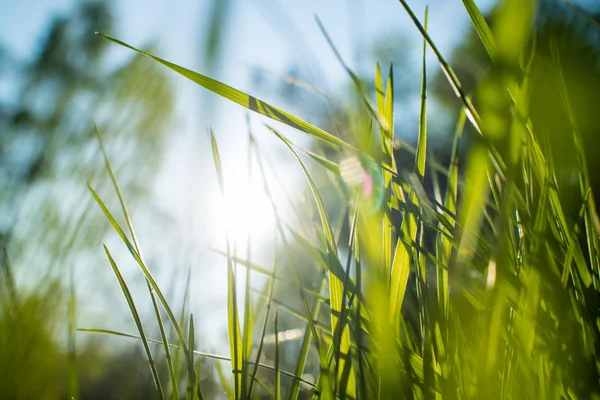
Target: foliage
{"type": "Point", "coordinates": [485, 288]}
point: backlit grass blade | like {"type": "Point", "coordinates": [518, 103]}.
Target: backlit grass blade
{"type": "Point", "coordinates": [191, 393]}
{"type": "Point", "coordinates": [224, 382]}
{"type": "Point", "coordinates": [158, 316]}
{"type": "Point", "coordinates": [245, 100]}
{"type": "Point", "coordinates": [235, 336]}
{"type": "Point", "coordinates": [335, 284]}
{"type": "Point", "coordinates": [150, 279]}
{"type": "Point", "coordinates": [248, 315]}
{"type": "Point", "coordinates": [357, 82]}
{"type": "Point", "coordinates": [270, 290]}
{"type": "Point", "coordinates": [481, 27]}
{"type": "Point", "coordinates": [138, 323]}
{"type": "Point", "coordinates": [404, 251]}
{"type": "Point", "coordinates": [386, 108]}
{"type": "Point", "coordinates": [294, 389]}
{"type": "Point", "coordinates": [446, 242]}
{"type": "Point", "coordinates": [325, 386]}
{"type": "Point", "coordinates": [421, 156]}
{"type": "Point", "coordinates": [448, 71]}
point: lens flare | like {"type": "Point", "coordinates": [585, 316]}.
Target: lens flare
{"type": "Point", "coordinates": [364, 174]}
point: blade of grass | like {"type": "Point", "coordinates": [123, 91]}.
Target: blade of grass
{"type": "Point", "coordinates": [335, 284]}
{"type": "Point", "coordinates": [248, 317]}
{"type": "Point", "coordinates": [174, 381]}
{"type": "Point", "coordinates": [481, 27]}
{"type": "Point", "coordinates": [235, 337]}
{"type": "Point", "coordinates": [324, 379]}
{"type": "Point", "coordinates": [148, 276]}
{"type": "Point", "coordinates": [245, 100]}
{"type": "Point", "coordinates": [448, 71]}
{"type": "Point", "coordinates": [138, 323]}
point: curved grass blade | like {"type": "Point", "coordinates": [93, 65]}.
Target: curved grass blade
{"type": "Point", "coordinates": [245, 100]}
{"type": "Point", "coordinates": [271, 285]}
{"type": "Point", "coordinates": [150, 279]}
{"type": "Point", "coordinates": [481, 27]}
{"type": "Point", "coordinates": [335, 284]}
{"type": "Point", "coordinates": [294, 389]}
{"type": "Point", "coordinates": [324, 379]}
{"type": "Point", "coordinates": [138, 323]}
{"type": "Point", "coordinates": [163, 335]}
{"type": "Point", "coordinates": [448, 71]}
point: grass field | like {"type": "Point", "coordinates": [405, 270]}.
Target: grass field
{"type": "Point", "coordinates": [484, 287]}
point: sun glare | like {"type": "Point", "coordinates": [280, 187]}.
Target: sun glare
{"type": "Point", "coordinates": [244, 212]}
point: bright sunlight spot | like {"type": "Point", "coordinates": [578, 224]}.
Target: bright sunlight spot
{"type": "Point", "coordinates": [245, 211]}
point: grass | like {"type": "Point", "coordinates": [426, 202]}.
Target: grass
{"type": "Point", "coordinates": [485, 289]}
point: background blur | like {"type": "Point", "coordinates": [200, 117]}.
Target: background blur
{"type": "Point", "coordinates": [57, 79]}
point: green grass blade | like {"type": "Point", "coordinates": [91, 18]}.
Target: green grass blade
{"type": "Point", "coordinates": [138, 323]}
{"type": "Point", "coordinates": [235, 336]}
{"type": "Point", "coordinates": [335, 284]}
{"type": "Point", "coordinates": [324, 379]}
{"type": "Point", "coordinates": [150, 279]}
{"type": "Point", "coordinates": [158, 316]}
{"type": "Point", "coordinates": [270, 291]}
{"type": "Point", "coordinates": [245, 100]}
{"type": "Point", "coordinates": [357, 82]}
{"type": "Point", "coordinates": [448, 71]}
{"type": "Point", "coordinates": [190, 385]}
{"type": "Point", "coordinates": [403, 251]}
{"type": "Point", "coordinates": [481, 27]}
{"type": "Point", "coordinates": [294, 389]}
{"type": "Point", "coordinates": [422, 139]}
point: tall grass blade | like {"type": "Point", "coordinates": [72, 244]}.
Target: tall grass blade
{"type": "Point", "coordinates": [150, 279]}
{"type": "Point", "coordinates": [335, 284]}
{"type": "Point", "coordinates": [448, 71]}
{"type": "Point", "coordinates": [481, 27]}
{"type": "Point", "coordinates": [245, 100]}
{"type": "Point", "coordinates": [235, 337]}
{"type": "Point", "coordinates": [138, 323]}
{"type": "Point", "coordinates": [170, 365]}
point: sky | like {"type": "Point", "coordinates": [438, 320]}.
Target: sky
{"type": "Point", "coordinates": [268, 34]}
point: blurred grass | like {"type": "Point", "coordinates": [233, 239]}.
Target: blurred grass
{"type": "Point", "coordinates": [486, 288]}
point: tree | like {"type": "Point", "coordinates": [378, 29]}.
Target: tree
{"type": "Point", "coordinates": [47, 145]}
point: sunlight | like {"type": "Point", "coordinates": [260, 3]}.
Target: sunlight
{"type": "Point", "coordinates": [245, 212]}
